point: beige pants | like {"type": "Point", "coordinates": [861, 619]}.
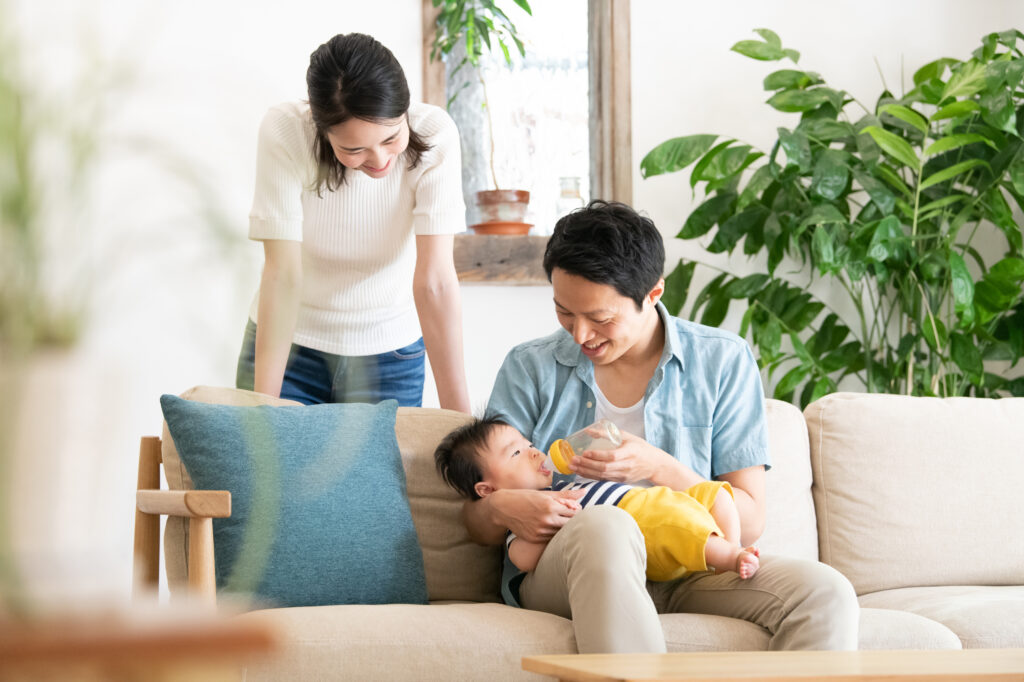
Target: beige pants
{"type": "Point", "coordinates": [593, 571]}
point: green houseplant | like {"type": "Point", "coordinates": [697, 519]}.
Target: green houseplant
{"type": "Point", "coordinates": [464, 30]}
{"type": "Point", "coordinates": [900, 207]}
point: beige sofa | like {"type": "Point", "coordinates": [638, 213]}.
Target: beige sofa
{"type": "Point", "coordinates": [918, 501]}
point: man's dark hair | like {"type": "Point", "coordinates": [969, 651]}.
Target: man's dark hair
{"type": "Point", "coordinates": [607, 242]}
{"type": "Point", "coordinates": [457, 457]}
{"type": "Point", "coordinates": [354, 76]}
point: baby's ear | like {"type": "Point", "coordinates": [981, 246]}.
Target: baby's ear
{"type": "Point", "coordinates": [483, 488]}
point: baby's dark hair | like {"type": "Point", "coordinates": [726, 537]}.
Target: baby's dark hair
{"type": "Point", "coordinates": [457, 457]}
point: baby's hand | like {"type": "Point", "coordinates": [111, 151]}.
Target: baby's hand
{"type": "Point", "coordinates": [569, 503]}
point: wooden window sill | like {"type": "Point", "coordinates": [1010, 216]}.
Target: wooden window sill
{"type": "Point", "coordinates": [504, 260]}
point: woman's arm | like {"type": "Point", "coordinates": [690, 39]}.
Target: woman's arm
{"type": "Point", "coordinates": [278, 309]}
{"type": "Point", "coordinates": [439, 306]}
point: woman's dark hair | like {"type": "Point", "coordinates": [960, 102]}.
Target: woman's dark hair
{"type": "Point", "coordinates": [457, 455]}
{"type": "Point", "coordinates": [354, 76]}
{"type": "Point", "coordinates": [608, 243]}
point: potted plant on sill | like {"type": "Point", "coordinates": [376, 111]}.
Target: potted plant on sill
{"type": "Point", "coordinates": [888, 207]}
{"type": "Point", "coordinates": [478, 25]}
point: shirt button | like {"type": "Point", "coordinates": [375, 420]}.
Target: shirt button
{"type": "Point", "coordinates": [589, 404]}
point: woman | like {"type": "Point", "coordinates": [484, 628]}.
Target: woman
{"type": "Point", "coordinates": [358, 195]}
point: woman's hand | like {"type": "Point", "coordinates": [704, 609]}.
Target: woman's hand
{"type": "Point", "coordinates": [634, 460]}
{"type": "Point", "coordinates": [534, 515]}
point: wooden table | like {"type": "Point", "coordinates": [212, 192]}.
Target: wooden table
{"type": "Point", "coordinates": [116, 647]}
{"type": "Point", "coordinates": [968, 665]}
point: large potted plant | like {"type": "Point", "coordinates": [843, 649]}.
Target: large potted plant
{"type": "Point", "coordinates": [464, 31]}
{"type": "Point", "coordinates": [889, 207]}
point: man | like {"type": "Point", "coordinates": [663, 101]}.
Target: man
{"type": "Point", "coordinates": [690, 403]}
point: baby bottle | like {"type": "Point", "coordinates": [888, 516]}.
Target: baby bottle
{"type": "Point", "coordinates": [601, 435]}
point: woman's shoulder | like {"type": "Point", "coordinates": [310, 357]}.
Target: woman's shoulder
{"type": "Point", "coordinates": [429, 120]}
{"type": "Point", "coordinates": [287, 120]}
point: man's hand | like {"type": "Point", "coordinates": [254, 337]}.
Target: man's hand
{"type": "Point", "coordinates": [534, 515]}
{"type": "Point", "coordinates": [634, 460]}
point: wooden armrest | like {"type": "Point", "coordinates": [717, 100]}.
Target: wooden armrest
{"type": "Point", "coordinates": [215, 504]}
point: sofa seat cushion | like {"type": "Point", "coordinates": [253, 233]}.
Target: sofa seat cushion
{"type": "Point", "coordinates": [982, 617]}
{"type": "Point", "coordinates": [888, 629]}
{"type": "Point", "coordinates": [701, 632]}
{"type": "Point", "coordinates": [409, 642]}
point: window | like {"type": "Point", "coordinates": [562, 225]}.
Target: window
{"type": "Point", "coordinates": [562, 112]}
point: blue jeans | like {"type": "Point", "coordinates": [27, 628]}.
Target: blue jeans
{"type": "Point", "coordinates": [314, 377]}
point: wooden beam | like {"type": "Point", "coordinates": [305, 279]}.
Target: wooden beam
{"type": "Point", "coordinates": [215, 504]}
{"type": "Point", "coordinates": [147, 527]}
{"type": "Point", "coordinates": [434, 91]}
{"type": "Point", "coordinates": [611, 137]}
{"type": "Point", "coordinates": [497, 259]}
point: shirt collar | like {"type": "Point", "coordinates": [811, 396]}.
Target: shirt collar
{"type": "Point", "coordinates": [568, 352]}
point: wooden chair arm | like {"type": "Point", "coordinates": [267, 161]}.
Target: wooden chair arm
{"type": "Point", "coordinates": [214, 504]}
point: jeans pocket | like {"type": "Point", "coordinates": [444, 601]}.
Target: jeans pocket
{"type": "Point", "coordinates": [414, 350]}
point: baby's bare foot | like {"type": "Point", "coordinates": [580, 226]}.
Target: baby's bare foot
{"type": "Point", "coordinates": [747, 562]}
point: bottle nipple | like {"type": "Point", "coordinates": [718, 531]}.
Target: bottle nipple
{"type": "Point", "coordinates": [561, 453]}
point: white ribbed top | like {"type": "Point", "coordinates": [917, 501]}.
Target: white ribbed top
{"type": "Point", "coordinates": [358, 242]}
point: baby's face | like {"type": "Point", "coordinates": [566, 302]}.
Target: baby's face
{"type": "Point", "coordinates": [511, 461]}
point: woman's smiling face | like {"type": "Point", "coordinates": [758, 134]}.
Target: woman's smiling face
{"type": "Point", "coordinates": [372, 147]}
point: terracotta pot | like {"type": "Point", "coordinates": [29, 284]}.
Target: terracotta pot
{"type": "Point", "coordinates": [502, 205]}
{"type": "Point", "coordinates": [501, 227]}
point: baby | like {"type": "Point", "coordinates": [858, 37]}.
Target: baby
{"type": "Point", "coordinates": [683, 531]}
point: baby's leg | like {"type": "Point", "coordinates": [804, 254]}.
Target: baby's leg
{"type": "Point", "coordinates": [723, 555]}
{"type": "Point", "coordinates": [727, 516]}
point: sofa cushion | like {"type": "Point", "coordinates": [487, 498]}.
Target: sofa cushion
{"type": "Point", "coordinates": [457, 568]}
{"type": "Point", "coordinates": [702, 632]}
{"type": "Point", "coordinates": [319, 510]}
{"type": "Point", "coordinates": [790, 528]}
{"type": "Point", "coordinates": [983, 617]}
{"type": "Point", "coordinates": [918, 491]}
{"type": "Point", "coordinates": [407, 642]}
{"type": "Point", "coordinates": [883, 628]}
{"type": "Point", "coordinates": [176, 528]}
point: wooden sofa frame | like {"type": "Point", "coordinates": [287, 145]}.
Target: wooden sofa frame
{"type": "Point", "coordinates": [200, 507]}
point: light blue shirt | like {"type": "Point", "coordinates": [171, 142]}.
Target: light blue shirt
{"type": "Point", "coordinates": [704, 405]}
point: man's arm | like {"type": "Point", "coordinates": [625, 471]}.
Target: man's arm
{"type": "Point", "coordinates": [748, 491]}
{"type": "Point", "coordinates": [533, 515]}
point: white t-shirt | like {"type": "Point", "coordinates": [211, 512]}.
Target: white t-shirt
{"type": "Point", "coordinates": [358, 242]}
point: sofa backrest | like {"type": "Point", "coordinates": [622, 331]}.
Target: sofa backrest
{"type": "Point", "coordinates": [919, 491]}
{"type": "Point", "coordinates": [790, 527]}
{"type": "Point", "coordinates": [456, 568]}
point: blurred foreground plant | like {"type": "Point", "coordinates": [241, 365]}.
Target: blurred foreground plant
{"type": "Point", "coordinates": [892, 207]}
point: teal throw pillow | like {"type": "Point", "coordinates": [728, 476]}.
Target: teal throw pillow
{"type": "Point", "coordinates": [319, 511]}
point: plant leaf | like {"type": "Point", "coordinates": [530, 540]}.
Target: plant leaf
{"type": "Point", "coordinates": [756, 49]}
{"type": "Point", "coordinates": [677, 286]}
{"type": "Point", "coordinates": [730, 232]}
{"type": "Point", "coordinates": [706, 215]}
{"type": "Point", "coordinates": [879, 193]}
{"type": "Point", "coordinates": [895, 146]}
{"type": "Point", "coordinates": [951, 172]}
{"type": "Point", "coordinates": [907, 115]}
{"type": "Point", "coordinates": [790, 78]}
{"type": "Point", "coordinates": [950, 142]}
{"type": "Point", "coordinates": [967, 79]}
{"type": "Point", "coordinates": [675, 154]}
{"type": "Point", "coordinates": [963, 289]}
{"type": "Point", "coordinates": [770, 37]}
{"type": "Point", "coordinates": [792, 101]}
{"type": "Point", "coordinates": [956, 109]}
{"type": "Point", "coordinates": [966, 356]}
{"type": "Point", "coordinates": [797, 148]}
{"type": "Point", "coordinates": [831, 174]}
